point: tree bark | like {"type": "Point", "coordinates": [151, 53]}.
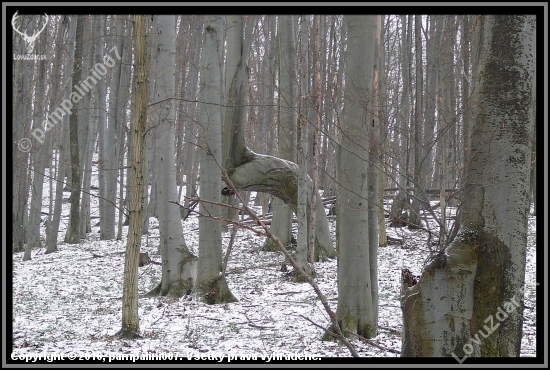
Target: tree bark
{"type": "Point", "coordinates": [210, 284]}
{"type": "Point", "coordinates": [172, 243]}
{"type": "Point", "coordinates": [355, 310]}
{"type": "Point", "coordinates": [130, 318]}
{"type": "Point", "coordinates": [469, 299]}
{"type": "Point", "coordinates": [73, 231]}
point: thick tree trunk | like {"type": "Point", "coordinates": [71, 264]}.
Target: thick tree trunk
{"type": "Point", "coordinates": [469, 299]}
{"type": "Point", "coordinates": [172, 243]}
{"type": "Point", "coordinates": [210, 284]}
{"type": "Point", "coordinates": [355, 310]}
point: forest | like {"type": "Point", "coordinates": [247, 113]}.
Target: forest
{"type": "Point", "coordinates": [272, 188]}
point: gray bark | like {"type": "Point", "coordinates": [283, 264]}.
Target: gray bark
{"type": "Point", "coordinates": [281, 226]}
{"type": "Point", "coordinates": [39, 155]}
{"type": "Point", "coordinates": [477, 281]}
{"type": "Point", "coordinates": [53, 227]}
{"type": "Point", "coordinates": [172, 244]}
{"type": "Point", "coordinates": [414, 217]}
{"type": "Point", "coordinates": [73, 231]}
{"type": "Point", "coordinates": [373, 174]}
{"type": "Point", "coordinates": [88, 127]}
{"type": "Point", "coordinates": [210, 285]}
{"type": "Point", "coordinates": [401, 203]}
{"type": "Point", "coordinates": [113, 120]}
{"type": "Point", "coordinates": [355, 310]}
{"type": "Point", "coordinates": [304, 193]}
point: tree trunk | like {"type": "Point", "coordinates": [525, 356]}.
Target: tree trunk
{"type": "Point", "coordinates": [451, 311]}
{"type": "Point", "coordinates": [355, 305]}
{"type": "Point", "coordinates": [304, 193]}
{"type": "Point", "coordinates": [419, 194]}
{"type": "Point", "coordinates": [172, 243]}
{"type": "Point", "coordinates": [210, 285]}
{"type": "Point", "coordinates": [401, 203]}
{"type": "Point", "coordinates": [130, 318]}
{"type": "Point", "coordinates": [281, 225]}
{"type": "Point", "coordinates": [53, 227]}
{"type": "Point", "coordinates": [40, 154]}
{"type": "Point", "coordinates": [73, 231]}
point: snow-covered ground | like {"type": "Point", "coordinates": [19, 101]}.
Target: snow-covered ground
{"type": "Point", "coordinates": [70, 302]}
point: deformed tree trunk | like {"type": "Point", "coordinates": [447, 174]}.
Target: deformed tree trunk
{"type": "Point", "coordinates": [469, 299]}
{"type": "Point", "coordinates": [255, 172]}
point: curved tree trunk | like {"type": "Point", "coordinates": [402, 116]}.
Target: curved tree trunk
{"type": "Point", "coordinates": [469, 299]}
{"type": "Point", "coordinates": [255, 172]}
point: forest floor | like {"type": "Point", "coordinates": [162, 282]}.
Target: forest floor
{"type": "Point", "coordinates": [71, 301]}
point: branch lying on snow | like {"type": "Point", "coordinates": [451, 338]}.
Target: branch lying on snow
{"type": "Point", "coordinates": [373, 343]}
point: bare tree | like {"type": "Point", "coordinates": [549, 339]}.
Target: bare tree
{"type": "Point", "coordinates": [130, 318]}
{"type": "Point", "coordinates": [73, 231]}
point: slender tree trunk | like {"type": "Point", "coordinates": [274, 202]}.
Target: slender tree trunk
{"type": "Point", "coordinates": [281, 225]}
{"type": "Point", "coordinates": [107, 231]}
{"type": "Point", "coordinates": [73, 231]}
{"type": "Point", "coordinates": [130, 318]}
{"type": "Point", "coordinates": [382, 123]}
{"type": "Point", "coordinates": [373, 174]}
{"type": "Point", "coordinates": [53, 227]}
{"type": "Point", "coordinates": [304, 193]}
{"type": "Point", "coordinates": [401, 203]}
{"type": "Point", "coordinates": [316, 128]}
{"type": "Point", "coordinates": [419, 193]}
{"type": "Point", "coordinates": [40, 154]}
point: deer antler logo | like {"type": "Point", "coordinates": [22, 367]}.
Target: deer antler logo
{"type": "Point", "coordinates": [28, 39]}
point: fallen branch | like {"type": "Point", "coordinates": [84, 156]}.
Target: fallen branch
{"type": "Point", "coordinates": [373, 343]}
{"type": "Point", "coordinates": [319, 326]}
